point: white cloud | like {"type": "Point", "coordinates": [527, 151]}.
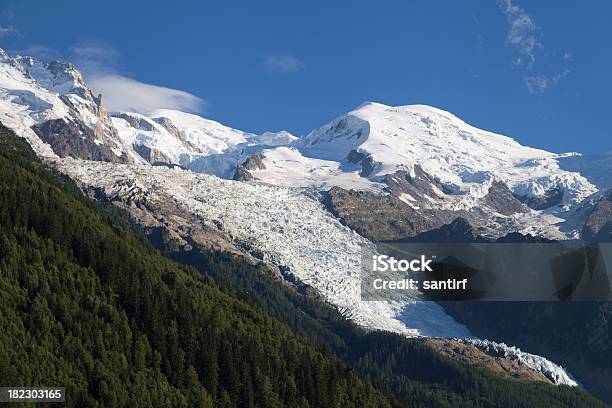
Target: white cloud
{"type": "Point", "coordinates": [121, 93]}
{"type": "Point", "coordinates": [522, 34]}
{"type": "Point", "coordinates": [283, 63]}
{"type": "Point", "coordinates": [537, 84]}
{"type": "Point", "coordinates": [98, 61]}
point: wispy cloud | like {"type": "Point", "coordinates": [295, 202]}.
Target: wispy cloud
{"type": "Point", "coordinates": [125, 94]}
{"type": "Point", "coordinates": [539, 83]}
{"type": "Point", "coordinates": [283, 63]}
{"type": "Point", "coordinates": [94, 52]}
{"type": "Point", "coordinates": [536, 84]}
{"type": "Point", "coordinates": [522, 34]}
{"type": "Point", "coordinates": [40, 51]}
{"type": "Point", "coordinates": [524, 37]}
{"type": "Point", "coordinates": [7, 27]}
{"type": "Point", "coordinates": [98, 61]}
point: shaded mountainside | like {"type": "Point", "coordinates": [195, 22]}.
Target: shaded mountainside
{"type": "Point", "coordinates": [408, 368]}
{"type": "Point", "coordinates": [577, 335]}
{"type": "Point", "coordinates": [90, 306]}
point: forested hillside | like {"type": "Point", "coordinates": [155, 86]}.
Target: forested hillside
{"type": "Point", "coordinates": [89, 305]}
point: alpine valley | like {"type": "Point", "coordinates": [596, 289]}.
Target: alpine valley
{"type": "Point", "coordinates": [302, 209]}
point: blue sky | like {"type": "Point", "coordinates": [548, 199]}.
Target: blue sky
{"type": "Point", "coordinates": [536, 71]}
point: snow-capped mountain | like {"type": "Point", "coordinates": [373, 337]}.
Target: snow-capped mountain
{"type": "Point", "coordinates": [430, 160]}
{"type": "Point", "coordinates": [176, 138]}
{"type": "Point", "coordinates": [284, 226]}
{"type": "Point", "coordinates": [51, 104]}
{"type": "Point", "coordinates": [376, 140]}
{"type": "Point", "coordinates": [53, 108]}
{"type": "Point", "coordinates": [413, 167]}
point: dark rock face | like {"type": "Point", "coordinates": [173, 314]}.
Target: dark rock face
{"type": "Point", "coordinates": [367, 166]}
{"type": "Point", "coordinates": [367, 162]}
{"type": "Point", "coordinates": [383, 217]}
{"type": "Point", "coordinates": [136, 122]}
{"type": "Point", "coordinates": [598, 226]}
{"type": "Point", "coordinates": [517, 237]}
{"type": "Point", "coordinates": [460, 230]}
{"type": "Point", "coordinates": [550, 198]}
{"type": "Point", "coordinates": [153, 156]}
{"type": "Point", "coordinates": [68, 139]}
{"type": "Point", "coordinates": [501, 199]}
{"type": "Point", "coordinates": [377, 217]}
{"type": "Point", "coordinates": [254, 162]}
{"type": "Point", "coordinates": [390, 217]}
{"type": "Point", "coordinates": [402, 182]}
{"type": "Point", "coordinates": [242, 174]}
{"type": "Point", "coordinates": [355, 157]}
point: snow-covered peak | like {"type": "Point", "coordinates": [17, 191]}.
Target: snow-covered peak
{"type": "Point", "coordinates": [56, 76]}
{"type": "Point", "coordinates": [415, 132]}
{"type": "Point", "coordinates": [24, 103]}
{"type": "Point", "coordinates": [171, 137]}
{"type": "Point", "coordinates": [281, 138]}
{"type": "Point", "coordinates": [459, 155]}
{"type": "Point", "coordinates": [51, 105]}
{"type": "Point", "coordinates": [207, 135]}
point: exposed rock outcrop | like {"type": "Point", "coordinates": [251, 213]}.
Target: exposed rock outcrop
{"type": "Point", "coordinates": [501, 199]}
{"type": "Point", "coordinates": [136, 121]}
{"type": "Point", "coordinates": [415, 184]}
{"type": "Point", "coordinates": [471, 355]}
{"type": "Point", "coordinates": [153, 156]}
{"type": "Point", "coordinates": [551, 198]}
{"type": "Point", "coordinates": [367, 162]}
{"type": "Point", "coordinates": [254, 162]}
{"type": "Point", "coordinates": [383, 217]}
{"type": "Point", "coordinates": [70, 139]}
{"type": "Point", "coordinates": [460, 230]}
{"type": "Point", "coordinates": [598, 225]}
